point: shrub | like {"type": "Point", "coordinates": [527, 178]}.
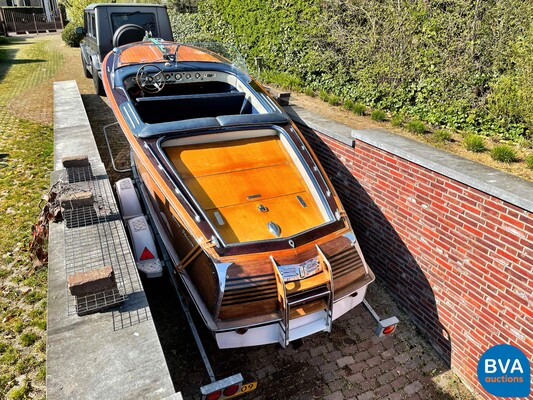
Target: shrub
{"type": "Point", "coordinates": [185, 27]}
{"type": "Point", "coordinates": [378, 115]}
{"type": "Point", "coordinates": [416, 126]}
{"type": "Point", "coordinates": [70, 37]}
{"type": "Point", "coordinates": [441, 136]}
{"type": "Point", "coordinates": [393, 68]}
{"type": "Point", "coordinates": [309, 92]}
{"type": "Point", "coordinates": [474, 143]}
{"type": "Point", "coordinates": [323, 95]}
{"type": "Point", "coordinates": [359, 109]}
{"type": "Point", "coordinates": [396, 120]}
{"type": "Point", "coordinates": [348, 104]}
{"type": "Point", "coordinates": [281, 79]}
{"type": "Point", "coordinates": [504, 153]}
{"type": "Point", "coordinates": [529, 161]}
{"type": "Point", "coordinates": [334, 100]}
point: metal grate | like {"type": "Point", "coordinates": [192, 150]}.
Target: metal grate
{"type": "Point", "coordinates": [80, 174]}
{"type": "Point", "coordinates": [98, 301]}
{"type": "Point", "coordinates": [95, 237]}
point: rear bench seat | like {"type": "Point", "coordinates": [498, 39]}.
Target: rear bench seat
{"type": "Point", "coordinates": [158, 109]}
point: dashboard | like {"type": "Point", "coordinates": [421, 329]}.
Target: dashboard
{"type": "Point", "coordinates": [179, 77]}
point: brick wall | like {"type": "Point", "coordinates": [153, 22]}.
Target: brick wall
{"type": "Point", "coordinates": [458, 260]}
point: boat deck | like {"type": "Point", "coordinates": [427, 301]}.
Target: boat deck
{"type": "Point", "coordinates": [244, 184]}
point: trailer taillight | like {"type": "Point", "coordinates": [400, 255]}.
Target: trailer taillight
{"type": "Point", "coordinates": [231, 390]}
{"type": "Point", "coordinates": [214, 396]}
{"type": "Point", "coordinates": [386, 326]}
{"type": "Point", "coordinates": [146, 255]}
{"type": "Point", "coordinates": [224, 388]}
{"type": "Point", "coordinates": [389, 329]}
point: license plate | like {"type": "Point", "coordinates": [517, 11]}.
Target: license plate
{"type": "Point", "coordinates": [245, 388]}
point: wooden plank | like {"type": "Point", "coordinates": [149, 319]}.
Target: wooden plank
{"type": "Point", "coordinates": [306, 284]}
{"type": "Point", "coordinates": [249, 309]}
{"type": "Point", "coordinates": [236, 187]}
{"type": "Point", "coordinates": [227, 178]}
{"type": "Point", "coordinates": [233, 155]}
{"type": "Point", "coordinates": [308, 308]}
{"type": "Point", "coordinates": [246, 223]}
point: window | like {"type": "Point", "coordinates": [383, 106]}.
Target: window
{"type": "Point", "coordinates": [93, 25]}
{"type": "Point", "coordinates": [146, 20]}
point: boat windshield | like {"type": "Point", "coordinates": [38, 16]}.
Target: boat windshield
{"type": "Point", "coordinates": [227, 51]}
{"type": "Point", "coordinates": [157, 50]}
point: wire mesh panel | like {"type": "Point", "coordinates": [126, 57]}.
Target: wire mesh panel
{"type": "Point", "coordinates": [80, 174]}
{"type": "Point", "coordinates": [95, 238]}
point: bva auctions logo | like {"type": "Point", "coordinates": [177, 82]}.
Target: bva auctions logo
{"type": "Point", "coordinates": [503, 371]}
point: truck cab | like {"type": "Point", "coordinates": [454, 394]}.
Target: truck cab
{"type": "Point", "coordinates": [107, 26]}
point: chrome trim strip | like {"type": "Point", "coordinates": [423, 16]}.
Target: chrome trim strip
{"type": "Point", "coordinates": [350, 236]}
{"type": "Point", "coordinates": [222, 269]}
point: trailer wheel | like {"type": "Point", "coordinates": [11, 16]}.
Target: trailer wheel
{"type": "Point", "coordinates": [86, 72]}
{"type": "Point", "coordinates": [98, 84]}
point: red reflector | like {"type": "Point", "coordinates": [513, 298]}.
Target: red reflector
{"type": "Point", "coordinates": [389, 329]}
{"type": "Point", "coordinates": [231, 390]}
{"type": "Point", "coordinates": [214, 395]}
{"type": "Point", "coordinates": [146, 255]}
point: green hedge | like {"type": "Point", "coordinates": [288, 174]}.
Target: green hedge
{"type": "Point", "coordinates": [457, 63]}
{"type": "Point", "coordinates": [70, 37]}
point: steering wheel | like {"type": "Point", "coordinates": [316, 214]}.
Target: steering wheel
{"type": "Point", "coordinates": [150, 78]}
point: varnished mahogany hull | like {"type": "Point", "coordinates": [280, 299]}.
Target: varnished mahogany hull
{"type": "Point", "coordinates": [234, 284]}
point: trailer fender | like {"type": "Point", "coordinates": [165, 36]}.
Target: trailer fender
{"type": "Point", "coordinates": [144, 249]}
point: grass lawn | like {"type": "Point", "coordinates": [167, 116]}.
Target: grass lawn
{"type": "Point", "coordinates": [26, 157]}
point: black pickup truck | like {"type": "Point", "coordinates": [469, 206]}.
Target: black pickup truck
{"type": "Point", "coordinates": [107, 26]}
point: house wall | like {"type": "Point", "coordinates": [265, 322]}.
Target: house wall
{"type": "Point", "coordinates": [451, 239]}
{"type": "Point", "coordinates": [21, 3]}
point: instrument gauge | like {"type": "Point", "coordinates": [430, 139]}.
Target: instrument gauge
{"type": "Point", "coordinates": [188, 76]}
{"type": "Point", "coordinates": [197, 75]}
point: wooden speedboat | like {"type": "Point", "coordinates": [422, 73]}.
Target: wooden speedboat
{"type": "Point", "coordinates": [252, 223]}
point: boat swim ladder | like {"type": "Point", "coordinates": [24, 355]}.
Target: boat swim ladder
{"type": "Point", "coordinates": [310, 299]}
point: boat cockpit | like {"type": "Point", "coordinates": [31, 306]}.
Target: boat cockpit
{"type": "Point", "coordinates": [195, 91]}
